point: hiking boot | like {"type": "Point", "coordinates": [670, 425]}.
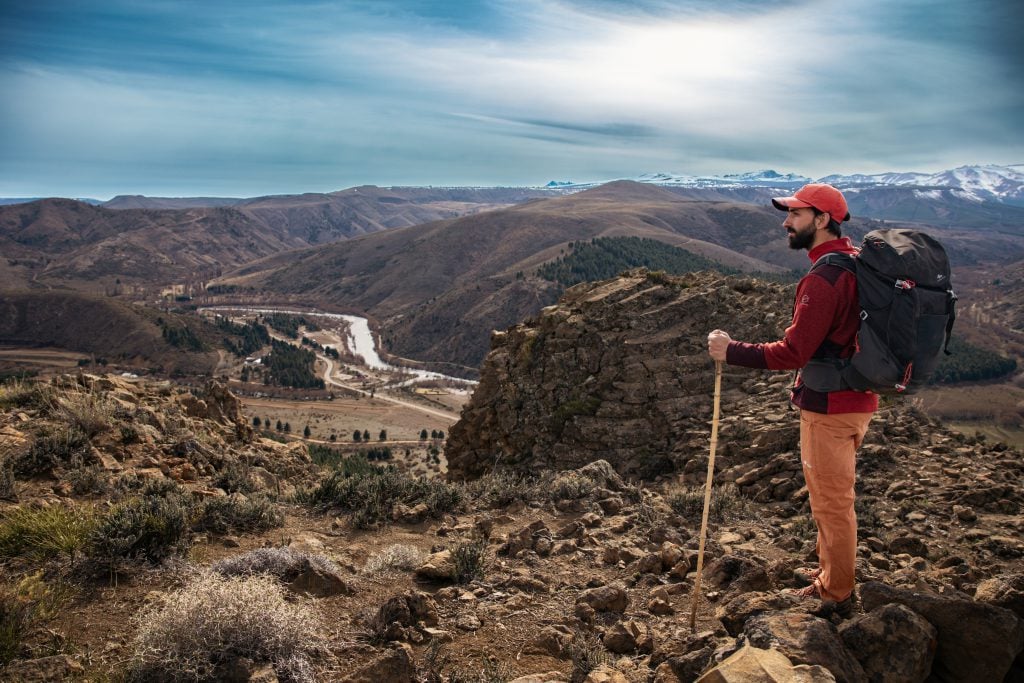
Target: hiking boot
{"type": "Point", "coordinates": [842, 608]}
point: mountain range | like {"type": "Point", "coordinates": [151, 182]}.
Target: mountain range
{"type": "Point", "coordinates": [436, 269]}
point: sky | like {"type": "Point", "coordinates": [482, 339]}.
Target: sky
{"type": "Point", "coordinates": [241, 99]}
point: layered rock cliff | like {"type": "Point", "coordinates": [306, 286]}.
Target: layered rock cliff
{"type": "Point", "coordinates": [617, 370]}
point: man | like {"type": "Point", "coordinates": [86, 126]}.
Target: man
{"type": "Point", "coordinates": [832, 423]}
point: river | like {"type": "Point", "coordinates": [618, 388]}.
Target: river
{"type": "Point", "coordinates": [360, 341]}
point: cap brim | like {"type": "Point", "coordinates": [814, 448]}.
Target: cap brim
{"type": "Point", "coordinates": [783, 203]}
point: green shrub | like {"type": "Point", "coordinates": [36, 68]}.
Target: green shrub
{"type": "Point", "coordinates": [64, 447]}
{"type": "Point", "coordinates": [41, 533]}
{"type": "Point", "coordinates": [233, 477]}
{"type": "Point", "coordinates": [24, 607]}
{"type": "Point", "coordinates": [501, 488]}
{"type": "Point", "coordinates": [8, 491]}
{"type": "Point", "coordinates": [234, 513]}
{"type": "Point", "coordinates": [129, 435]}
{"type": "Point", "coordinates": [469, 558]}
{"type": "Point", "coordinates": [371, 493]}
{"type": "Point", "coordinates": [214, 620]}
{"type": "Point", "coordinates": [91, 479]}
{"type": "Point", "coordinates": [150, 528]}
{"type": "Point", "coordinates": [688, 502]}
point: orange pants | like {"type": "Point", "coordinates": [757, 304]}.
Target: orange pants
{"type": "Point", "coordinates": [828, 448]}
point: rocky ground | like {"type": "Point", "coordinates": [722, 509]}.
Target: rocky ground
{"type": "Point", "coordinates": [150, 535]}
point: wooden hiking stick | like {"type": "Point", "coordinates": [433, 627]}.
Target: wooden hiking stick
{"type": "Point", "coordinates": [707, 495]}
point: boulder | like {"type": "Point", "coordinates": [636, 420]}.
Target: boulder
{"type": "Point", "coordinates": [892, 643]}
{"type": "Point", "coordinates": [736, 574]}
{"type": "Point", "coordinates": [1005, 591]}
{"type": "Point", "coordinates": [605, 599]}
{"type": "Point", "coordinates": [437, 567]}
{"type": "Point", "coordinates": [976, 641]}
{"type": "Point", "coordinates": [755, 665]}
{"type": "Point", "coordinates": [622, 637]}
{"type": "Point", "coordinates": [735, 613]}
{"type": "Point", "coordinates": [805, 639]}
{"type": "Point", "coordinates": [318, 582]}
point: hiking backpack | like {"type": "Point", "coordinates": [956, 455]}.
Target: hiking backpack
{"type": "Point", "coordinates": [907, 309]}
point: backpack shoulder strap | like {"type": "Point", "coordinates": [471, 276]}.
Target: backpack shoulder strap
{"type": "Point", "coordinates": [835, 258]}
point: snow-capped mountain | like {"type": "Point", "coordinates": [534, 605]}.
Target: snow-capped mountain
{"type": "Point", "coordinates": [988, 182]}
{"type": "Point", "coordinates": [972, 183]}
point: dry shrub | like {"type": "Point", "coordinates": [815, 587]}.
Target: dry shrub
{"type": "Point", "coordinates": [277, 562]}
{"type": "Point", "coordinates": [63, 446]}
{"type": "Point", "coordinates": [19, 393]}
{"type": "Point", "coordinates": [89, 411]}
{"type": "Point", "coordinates": [397, 556]}
{"type": "Point", "coordinates": [215, 620]}
{"type": "Point", "coordinates": [571, 486]}
{"type": "Point", "coordinates": [726, 502]}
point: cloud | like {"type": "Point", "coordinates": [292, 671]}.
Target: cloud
{"type": "Point", "coordinates": [275, 96]}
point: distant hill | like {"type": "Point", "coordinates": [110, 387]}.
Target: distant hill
{"type": "Point", "coordinates": [117, 332]}
{"type": "Point", "coordinates": [62, 242]}
{"type": "Point", "coordinates": [437, 290]}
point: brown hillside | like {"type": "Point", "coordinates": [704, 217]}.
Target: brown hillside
{"type": "Point", "coordinates": [120, 333]}
{"type": "Point", "coordinates": [439, 289]}
{"type": "Point", "coordinates": [64, 242]}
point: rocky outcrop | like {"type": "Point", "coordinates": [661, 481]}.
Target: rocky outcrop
{"type": "Point", "coordinates": [617, 370]}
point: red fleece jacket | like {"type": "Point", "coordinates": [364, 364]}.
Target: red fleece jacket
{"type": "Point", "coordinates": [825, 321]}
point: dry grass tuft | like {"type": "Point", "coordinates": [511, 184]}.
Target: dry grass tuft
{"type": "Point", "coordinates": [276, 562]}
{"type": "Point", "coordinates": [215, 620]}
{"type": "Point", "coordinates": [394, 557]}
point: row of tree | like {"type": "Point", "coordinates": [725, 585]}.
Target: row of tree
{"type": "Point", "coordinates": [288, 324]}
{"type": "Point", "coordinates": [249, 337]}
{"type": "Point", "coordinates": [289, 366]}
{"type": "Point", "coordinates": [970, 363]}
{"type": "Point", "coordinates": [605, 257]}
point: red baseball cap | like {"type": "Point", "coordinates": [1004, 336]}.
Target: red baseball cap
{"type": "Point", "coordinates": [819, 195]}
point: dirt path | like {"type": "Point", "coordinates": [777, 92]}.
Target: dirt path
{"type": "Point", "coordinates": [329, 379]}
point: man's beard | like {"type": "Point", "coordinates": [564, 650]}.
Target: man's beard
{"type": "Point", "coordinates": [802, 240]}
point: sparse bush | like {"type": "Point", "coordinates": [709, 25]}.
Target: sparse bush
{"type": "Point", "coordinates": [587, 653]}
{"type": "Point", "coordinates": [571, 486]}
{"type": "Point", "coordinates": [89, 411]}
{"type": "Point", "coordinates": [19, 393]}
{"type": "Point", "coordinates": [234, 513]}
{"type": "Point", "coordinates": [469, 558]}
{"type": "Point", "coordinates": [25, 607]}
{"type": "Point", "coordinates": [370, 493]}
{"type": "Point", "coordinates": [501, 488]}
{"type": "Point", "coordinates": [234, 477]}
{"type": "Point", "coordinates": [129, 435]}
{"type": "Point", "coordinates": [65, 447]}
{"type": "Point", "coordinates": [41, 533]}
{"type": "Point", "coordinates": [91, 479]}
{"type": "Point", "coordinates": [215, 620]}
{"type": "Point", "coordinates": [397, 556]}
{"type": "Point", "coordinates": [688, 502]}
{"type": "Point", "coordinates": [280, 563]}
{"type": "Point", "coordinates": [151, 528]}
